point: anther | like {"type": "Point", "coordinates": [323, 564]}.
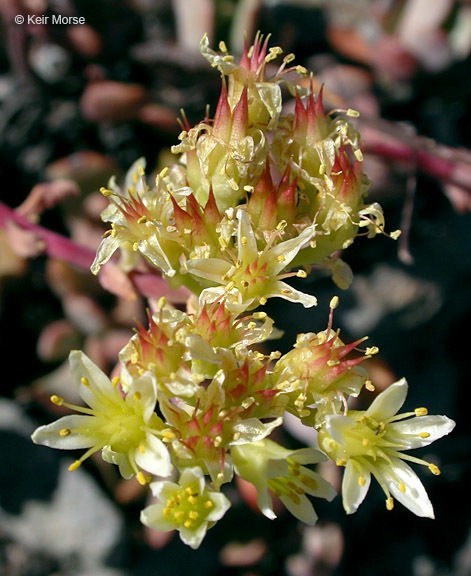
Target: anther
{"type": "Point", "coordinates": [74, 466]}
{"type": "Point", "coordinates": [143, 480]}
{"type": "Point", "coordinates": [262, 300]}
{"type": "Point", "coordinates": [243, 241]}
{"type": "Point", "coordinates": [142, 448]}
{"type": "Point", "coordinates": [187, 523]}
{"type": "Point", "coordinates": [309, 482]}
{"type": "Point", "coordinates": [115, 381]}
{"type": "Point", "coordinates": [372, 350]}
{"type": "Point", "coordinates": [208, 504]}
{"type": "Point", "coordinates": [361, 481]}
{"type": "Point", "coordinates": [193, 514]}
{"type": "Point", "coordinates": [341, 462]}
{"type": "Point", "coordinates": [142, 220]}
{"type": "Point", "coordinates": [105, 191]}
{"type": "Point", "coordinates": [136, 396]}
{"type": "Point", "coordinates": [369, 386]}
{"type": "Point", "coordinates": [424, 434]}
{"type": "Point", "coordinates": [401, 487]}
{"type": "Point", "coordinates": [421, 411]}
{"type": "Point", "coordinates": [434, 469]}
{"type": "Point", "coordinates": [84, 381]}
{"type": "Point", "coordinates": [389, 503]}
{"type": "Point", "coordinates": [57, 400]}
{"type": "Point", "coordinates": [135, 246]}
{"type": "Point", "coordinates": [353, 113]}
{"type": "Point", "coordinates": [334, 303]}
{"type": "Point", "coordinates": [64, 432]}
{"type": "Point", "coordinates": [301, 274]}
{"type": "Point", "coordinates": [364, 442]}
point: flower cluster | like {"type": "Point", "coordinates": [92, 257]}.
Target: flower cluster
{"type": "Point", "coordinates": [256, 197]}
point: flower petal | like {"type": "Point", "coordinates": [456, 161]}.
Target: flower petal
{"type": "Point", "coordinates": [212, 269]}
{"type": "Point", "coordinates": [106, 249]}
{"type": "Point", "coordinates": [407, 433]}
{"type": "Point", "coordinates": [252, 430]}
{"type": "Point", "coordinates": [282, 290]}
{"type": "Point", "coordinates": [153, 517]}
{"type": "Point", "coordinates": [389, 402]}
{"type": "Point", "coordinates": [98, 383]}
{"type": "Point", "coordinates": [154, 457]}
{"type": "Point", "coordinates": [288, 250]}
{"type": "Point", "coordinates": [221, 506]}
{"type": "Point", "coordinates": [301, 509]}
{"type": "Point", "coordinates": [81, 433]}
{"type": "Point", "coordinates": [143, 391]}
{"type": "Point", "coordinates": [246, 243]}
{"type": "Point", "coordinates": [353, 488]}
{"type": "Point", "coordinates": [414, 496]}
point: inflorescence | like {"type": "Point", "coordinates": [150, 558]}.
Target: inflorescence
{"type": "Point", "coordinates": [256, 197]}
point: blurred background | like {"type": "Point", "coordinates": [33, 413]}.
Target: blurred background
{"type": "Point", "coordinates": [79, 103]}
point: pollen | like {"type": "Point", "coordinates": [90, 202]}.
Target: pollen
{"type": "Point", "coordinates": [361, 481]}
{"type": "Point", "coordinates": [301, 274]}
{"type": "Point", "coordinates": [57, 400]}
{"type": "Point", "coordinates": [136, 396]}
{"type": "Point", "coordinates": [434, 469]}
{"type": "Point", "coordinates": [193, 515]}
{"type": "Point", "coordinates": [389, 503]}
{"type": "Point", "coordinates": [208, 504]}
{"type": "Point", "coordinates": [74, 466]}
{"type": "Point", "coordinates": [424, 434]}
{"type": "Point", "coordinates": [143, 480]}
{"type": "Point", "coordinates": [341, 462]}
{"type": "Point", "coordinates": [115, 381]}
{"type": "Point", "coordinates": [421, 411]}
{"type": "Point", "coordinates": [64, 432]}
{"type": "Point", "coordinates": [187, 523]}
{"type": "Point", "coordinates": [84, 381]}
{"type": "Point", "coordinates": [401, 487]}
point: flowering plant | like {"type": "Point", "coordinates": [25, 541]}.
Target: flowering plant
{"type": "Point", "coordinates": [256, 197]}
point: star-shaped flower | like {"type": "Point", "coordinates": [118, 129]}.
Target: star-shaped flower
{"type": "Point", "coordinates": [254, 275]}
{"type": "Point", "coordinates": [189, 507]}
{"type": "Point", "coordinates": [125, 429]}
{"type": "Point", "coordinates": [269, 466]}
{"type": "Point", "coordinates": [372, 442]}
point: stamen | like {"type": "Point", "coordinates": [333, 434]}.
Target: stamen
{"type": "Point", "coordinates": [57, 400]}
{"type": "Point", "coordinates": [401, 487]}
{"type": "Point", "coordinates": [74, 466]}
{"type": "Point", "coordinates": [421, 411]}
{"type": "Point", "coordinates": [84, 381]}
{"type": "Point", "coordinates": [64, 432]}
{"type": "Point", "coordinates": [435, 470]}
{"type": "Point", "coordinates": [389, 503]}
{"type": "Point", "coordinates": [424, 434]}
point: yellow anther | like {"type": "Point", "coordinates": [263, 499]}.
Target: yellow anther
{"type": "Point", "coordinates": [113, 233]}
{"type": "Point", "coordinates": [84, 381]}
{"type": "Point", "coordinates": [219, 476]}
{"type": "Point", "coordinates": [262, 300]}
{"type": "Point", "coordinates": [251, 325]}
{"type": "Point", "coordinates": [421, 411]}
{"type": "Point", "coordinates": [57, 400]}
{"type": "Point", "coordinates": [281, 225]}
{"type": "Point", "coordinates": [280, 258]}
{"type": "Point", "coordinates": [389, 503]}
{"type": "Point", "coordinates": [217, 441]}
{"type": "Point", "coordinates": [115, 381]}
{"type": "Point", "coordinates": [395, 234]}
{"type": "Point", "coordinates": [230, 286]}
{"type": "Point", "coordinates": [164, 172]}
{"type": "Point", "coordinates": [188, 490]}
{"type": "Point", "coordinates": [358, 155]}
{"type": "Point", "coordinates": [179, 514]}
{"type": "Point", "coordinates": [401, 487]}
{"type": "Point", "coordinates": [301, 70]}
{"type": "Point", "coordinates": [222, 414]}
{"type": "Point", "coordinates": [140, 170]}
{"type": "Point", "coordinates": [353, 113]}
{"type": "Point", "coordinates": [143, 480]}
{"type": "Point", "coordinates": [105, 191]}
{"type": "Point", "coordinates": [236, 436]}
{"type": "Point", "coordinates": [142, 220]}
{"type": "Point", "coordinates": [74, 466]}
{"type": "Point", "coordinates": [364, 442]}
{"type": "Point", "coordinates": [424, 434]}
{"type": "Point", "coordinates": [136, 396]}
{"type": "Point", "coordinates": [187, 523]}
{"type": "Point", "coordinates": [135, 246]}
{"type": "Point", "coordinates": [222, 46]}
{"type": "Point", "coordinates": [334, 303]}
{"type": "Point", "coordinates": [193, 514]}
{"type": "Point", "coordinates": [208, 504]}
{"type": "Point", "coordinates": [192, 500]}
{"type": "Point", "coordinates": [435, 470]}
{"type": "Point", "coordinates": [301, 274]}
{"type": "Point", "coordinates": [361, 481]}
{"type": "Point", "coordinates": [372, 350]}
{"type": "Point", "coordinates": [333, 362]}
{"type": "Point", "coordinates": [64, 432]}
{"type": "Point", "coordinates": [341, 462]}
{"type": "Point", "coordinates": [166, 511]}
{"type": "Point", "coordinates": [288, 58]}
{"type": "Point", "coordinates": [168, 434]}
{"type": "Point", "coordinates": [134, 179]}
{"type": "Point", "coordinates": [142, 448]}
{"type": "Point", "coordinates": [369, 386]}
{"type": "Point", "coordinates": [134, 358]}
{"type": "Point", "coordinates": [243, 240]}
{"type": "Point", "coordinates": [308, 481]}
{"type": "Point", "coordinates": [228, 58]}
